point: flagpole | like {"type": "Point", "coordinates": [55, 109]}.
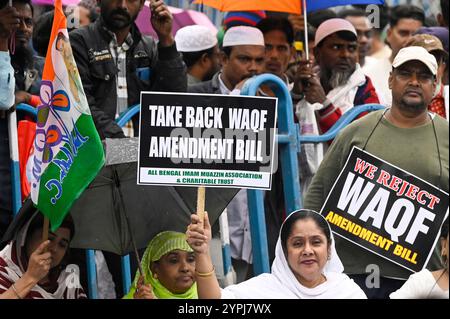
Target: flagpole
{"type": "Point", "coordinates": [305, 19]}
{"type": "Point", "coordinates": [45, 228]}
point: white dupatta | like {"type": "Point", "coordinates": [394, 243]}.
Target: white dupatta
{"type": "Point", "coordinates": [281, 283]}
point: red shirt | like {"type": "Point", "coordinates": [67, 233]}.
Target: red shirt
{"type": "Point", "coordinates": [437, 104]}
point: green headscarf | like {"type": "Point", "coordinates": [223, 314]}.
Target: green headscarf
{"type": "Point", "coordinates": [160, 245]}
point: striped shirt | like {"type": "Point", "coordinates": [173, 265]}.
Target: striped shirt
{"type": "Point", "coordinates": [119, 54]}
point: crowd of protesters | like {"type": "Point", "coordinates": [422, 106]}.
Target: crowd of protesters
{"type": "Point", "coordinates": [401, 63]}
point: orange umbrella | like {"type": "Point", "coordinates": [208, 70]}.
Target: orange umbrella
{"type": "Point", "coordinates": [289, 6]}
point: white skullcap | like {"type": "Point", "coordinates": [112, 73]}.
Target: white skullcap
{"type": "Point", "coordinates": [416, 54]}
{"type": "Point", "coordinates": [243, 35]}
{"type": "Point", "coordinates": [330, 26]}
{"type": "Point", "coordinates": [194, 38]}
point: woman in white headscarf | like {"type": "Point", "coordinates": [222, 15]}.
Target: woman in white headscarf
{"type": "Point", "coordinates": [306, 264]}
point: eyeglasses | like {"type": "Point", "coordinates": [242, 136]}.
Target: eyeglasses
{"type": "Point", "coordinates": [422, 77]}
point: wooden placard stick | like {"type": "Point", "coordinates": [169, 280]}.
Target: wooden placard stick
{"type": "Point", "coordinates": [201, 203]}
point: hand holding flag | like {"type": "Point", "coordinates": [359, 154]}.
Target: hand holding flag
{"type": "Point", "coordinates": [67, 151]}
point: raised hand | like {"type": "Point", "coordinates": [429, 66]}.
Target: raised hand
{"type": "Point", "coordinates": [162, 21]}
{"type": "Point", "coordinates": [143, 291]}
{"type": "Point", "coordinates": [9, 21]}
{"type": "Point", "coordinates": [22, 97]}
{"type": "Point", "coordinates": [39, 262]}
{"type": "Point", "coordinates": [307, 82]}
{"type": "Point", "coordinates": [198, 234]}
{"type": "Point", "coordinates": [297, 22]}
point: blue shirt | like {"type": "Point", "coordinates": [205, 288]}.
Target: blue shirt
{"type": "Point", "coordinates": [7, 81]}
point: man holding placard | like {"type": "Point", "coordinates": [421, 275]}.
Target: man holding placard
{"type": "Point", "coordinates": [383, 184]}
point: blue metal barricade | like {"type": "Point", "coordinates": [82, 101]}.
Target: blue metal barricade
{"type": "Point", "coordinates": [127, 115]}
{"type": "Point", "coordinates": [343, 121]}
{"type": "Point", "coordinates": [27, 109]}
{"type": "Point", "coordinates": [91, 274]}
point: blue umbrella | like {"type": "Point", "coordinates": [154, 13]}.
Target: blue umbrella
{"type": "Point", "coordinates": [313, 5]}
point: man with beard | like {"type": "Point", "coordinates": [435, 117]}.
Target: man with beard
{"type": "Point", "coordinates": [27, 66]}
{"type": "Point", "coordinates": [341, 84]}
{"type": "Point", "coordinates": [116, 62]}
{"type": "Point", "coordinates": [200, 51]}
{"type": "Point", "coordinates": [405, 135]}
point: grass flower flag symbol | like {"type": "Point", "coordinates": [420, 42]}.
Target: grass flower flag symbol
{"type": "Point", "coordinates": [68, 152]}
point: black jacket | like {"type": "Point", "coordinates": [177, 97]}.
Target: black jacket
{"type": "Point", "coordinates": [209, 87]}
{"type": "Point", "coordinates": [29, 77]}
{"type": "Point", "coordinates": [164, 71]}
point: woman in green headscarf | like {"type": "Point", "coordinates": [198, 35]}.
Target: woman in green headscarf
{"type": "Point", "coordinates": [168, 265]}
